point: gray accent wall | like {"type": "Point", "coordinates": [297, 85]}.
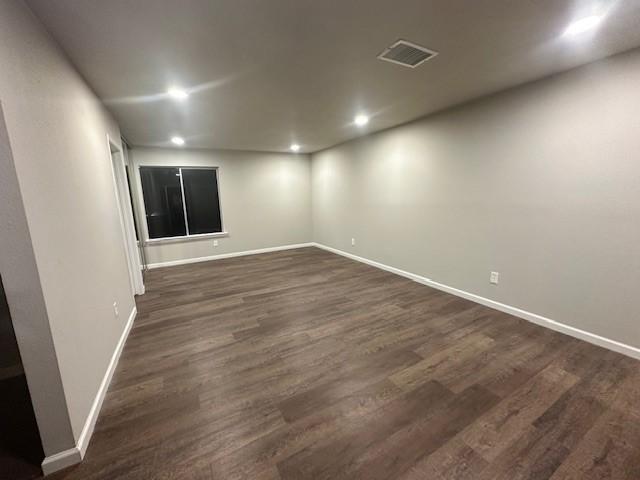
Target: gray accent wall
{"type": "Point", "coordinates": [540, 183]}
{"type": "Point", "coordinates": [265, 200]}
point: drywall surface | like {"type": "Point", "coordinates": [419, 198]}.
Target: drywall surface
{"type": "Point", "coordinates": [265, 200]}
{"type": "Point", "coordinates": [28, 310]}
{"type": "Point", "coordinates": [540, 183]}
{"type": "Point", "coordinates": [57, 131]}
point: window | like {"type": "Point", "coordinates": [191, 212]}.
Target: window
{"type": "Point", "coordinates": [181, 202]}
{"type": "Point", "coordinates": [201, 201]}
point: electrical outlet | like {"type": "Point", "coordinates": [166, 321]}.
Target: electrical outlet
{"type": "Point", "coordinates": [115, 309]}
{"type": "Point", "coordinates": [494, 277]}
{"type": "Point", "coordinates": [353, 242]}
{"type": "Point", "coordinates": [215, 243]}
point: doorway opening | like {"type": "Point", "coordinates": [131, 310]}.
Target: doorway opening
{"type": "Point", "coordinates": [133, 248]}
{"type": "Point", "coordinates": [20, 446]}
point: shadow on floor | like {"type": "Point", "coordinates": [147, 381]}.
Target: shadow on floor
{"type": "Point", "coordinates": [20, 448]}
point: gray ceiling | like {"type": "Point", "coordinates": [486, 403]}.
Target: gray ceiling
{"type": "Point", "coordinates": [266, 73]}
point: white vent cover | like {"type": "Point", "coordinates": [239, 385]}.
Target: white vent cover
{"type": "Point", "coordinates": [407, 54]}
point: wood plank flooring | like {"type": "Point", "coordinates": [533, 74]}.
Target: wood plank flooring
{"type": "Point", "coordinates": [306, 365]}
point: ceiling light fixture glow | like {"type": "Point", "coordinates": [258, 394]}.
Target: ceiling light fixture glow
{"type": "Point", "coordinates": [295, 147]}
{"type": "Point", "coordinates": [177, 93]}
{"type": "Point", "coordinates": [177, 140]}
{"type": "Point", "coordinates": [361, 120]}
{"type": "Point", "coordinates": [583, 25]}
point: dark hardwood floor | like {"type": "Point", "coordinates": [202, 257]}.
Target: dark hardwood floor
{"type": "Point", "coordinates": [306, 365]}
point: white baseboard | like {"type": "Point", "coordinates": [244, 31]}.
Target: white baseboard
{"type": "Point", "coordinates": [228, 255]}
{"type": "Point", "coordinates": [61, 460]}
{"type": "Point", "coordinates": [517, 312]}
{"type": "Point", "coordinates": [74, 455]}
{"type": "Point", "coordinates": [87, 431]}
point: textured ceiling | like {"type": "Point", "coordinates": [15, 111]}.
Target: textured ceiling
{"type": "Point", "coordinates": [266, 73]}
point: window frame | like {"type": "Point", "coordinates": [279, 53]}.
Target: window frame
{"type": "Point", "coordinates": [187, 237]}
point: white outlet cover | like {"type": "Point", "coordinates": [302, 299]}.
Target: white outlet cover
{"type": "Point", "coordinates": [353, 241]}
{"type": "Point", "coordinates": [494, 277]}
{"type": "Point", "coordinates": [215, 243]}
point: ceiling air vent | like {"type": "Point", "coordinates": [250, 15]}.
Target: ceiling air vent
{"type": "Point", "coordinates": [407, 54]}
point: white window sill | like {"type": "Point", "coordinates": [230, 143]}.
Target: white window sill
{"type": "Point", "coordinates": [189, 238]}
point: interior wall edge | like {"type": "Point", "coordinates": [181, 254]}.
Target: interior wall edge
{"type": "Point", "coordinates": [26, 302]}
{"type": "Point", "coordinates": [74, 455]}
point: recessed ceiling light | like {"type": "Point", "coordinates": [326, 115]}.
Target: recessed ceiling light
{"type": "Point", "coordinates": [177, 93]}
{"type": "Point", "coordinates": [295, 147]}
{"type": "Point", "coordinates": [361, 120]}
{"type": "Point", "coordinates": [583, 25]}
{"type": "Point", "coordinates": [177, 140]}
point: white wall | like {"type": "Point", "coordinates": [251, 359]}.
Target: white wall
{"type": "Point", "coordinates": [540, 183]}
{"type": "Point", "coordinates": [265, 200]}
{"type": "Point", "coordinates": [61, 224]}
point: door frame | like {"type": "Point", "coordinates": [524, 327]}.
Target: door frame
{"type": "Point", "coordinates": [125, 212]}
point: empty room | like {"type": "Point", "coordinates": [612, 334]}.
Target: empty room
{"type": "Point", "coordinates": [300, 240]}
